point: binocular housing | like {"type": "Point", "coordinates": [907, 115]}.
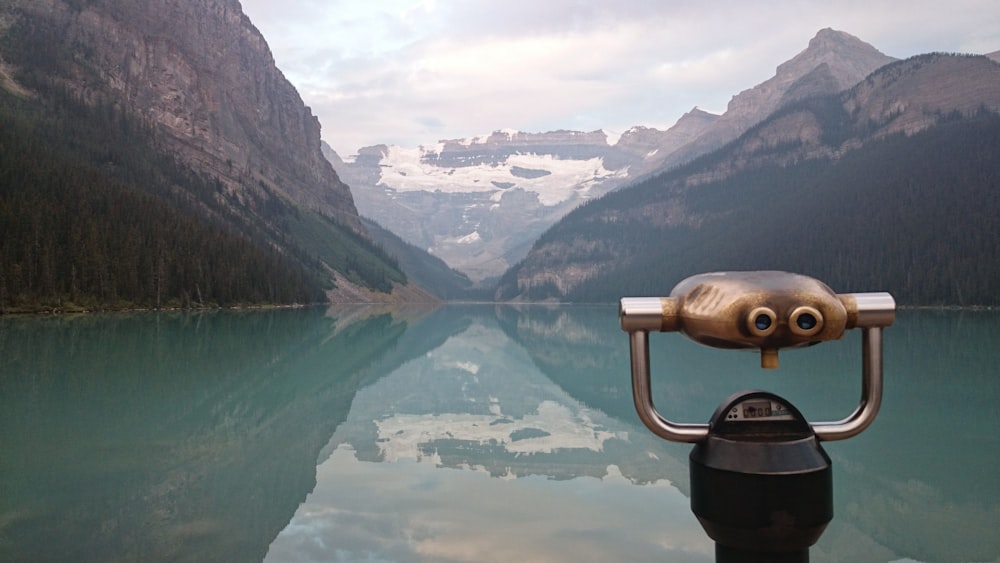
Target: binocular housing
{"type": "Point", "coordinates": [766, 310]}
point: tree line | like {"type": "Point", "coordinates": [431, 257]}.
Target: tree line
{"type": "Point", "coordinates": [75, 239]}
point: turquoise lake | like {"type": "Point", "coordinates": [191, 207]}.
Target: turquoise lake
{"type": "Point", "coordinates": [461, 433]}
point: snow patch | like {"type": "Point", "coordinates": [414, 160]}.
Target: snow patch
{"type": "Point", "coordinates": [436, 148]}
{"type": "Point", "coordinates": [553, 427]}
{"type": "Point", "coordinates": [470, 367]}
{"type": "Point", "coordinates": [404, 170]}
{"type": "Point", "coordinates": [470, 238]}
{"type": "Point", "coordinates": [612, 137]}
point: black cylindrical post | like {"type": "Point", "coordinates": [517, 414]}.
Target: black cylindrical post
{"type": "Point", "coordinates": [761, 485]}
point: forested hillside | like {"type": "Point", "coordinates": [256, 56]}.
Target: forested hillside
{"type": "Point", "coordinates": [918, 216]}
{"type": "Point", "coordinates": [149, 167]}
{"type": "Point", "coordinates": [425, 269]}
{"type": "Point", "coordinates": [94, 217]}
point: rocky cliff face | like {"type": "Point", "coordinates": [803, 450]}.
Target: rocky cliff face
{"type": "Point", "coordinates": [905, 97]}
{"type": "Point", "coordinates": [915, 94]}
{"type": "Point", "coordinates": [202, 73]}
{"type": "Point", "coordinates": [832, 62]}
{"type": "Point", "coordinates": [499, 145]}
{"type": "Point", "coordinates": [652, 148]}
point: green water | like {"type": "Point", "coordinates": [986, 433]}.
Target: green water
{"type": "Point", "coordinates": [456, 434]}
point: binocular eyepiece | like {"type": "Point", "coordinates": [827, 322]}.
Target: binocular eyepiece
{"type": "Point", "coordinates": [803, 321]}
{"type": "Point", "coordinates": [767, 310]}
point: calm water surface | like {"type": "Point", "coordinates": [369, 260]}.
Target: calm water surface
{"type": "Point", "coordinates": [456, 434]}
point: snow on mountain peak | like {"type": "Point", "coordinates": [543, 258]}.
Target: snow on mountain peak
{"type": "Point", "coordinates": [554, 180]}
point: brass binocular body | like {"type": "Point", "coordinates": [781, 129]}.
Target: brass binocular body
{"type": "Point", "coordinates": [767, 310]}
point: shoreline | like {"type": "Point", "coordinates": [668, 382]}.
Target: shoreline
{"type": "Point", "coordinates": [111, 310]}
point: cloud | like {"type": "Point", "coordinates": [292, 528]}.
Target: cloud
{"type": "Point", "coordinates": [411, 72]}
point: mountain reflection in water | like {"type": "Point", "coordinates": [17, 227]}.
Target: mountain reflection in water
{"type": "Point", "coordinates": [462, 433]}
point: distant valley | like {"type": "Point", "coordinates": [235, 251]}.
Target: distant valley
{"type": "Point", "coordinates": [480, 204]}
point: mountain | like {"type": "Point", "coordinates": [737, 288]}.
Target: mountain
{"type": "Point", "coordinates": [204, 75]}
{"type": "Point", "coordinates": [196, 88]}
{"type": "Point", "coordinates": [655, 147]}
{"type": "Point", "coordinates": [480, 203]}
{"type": "Point", "coordinates": [890, 185]}
{"type": "Point", "coordinates": [832, 62]}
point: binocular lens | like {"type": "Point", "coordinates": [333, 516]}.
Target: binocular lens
{"type": "Point", "coordinates": [806, 321]}
{"type": "Point", "coordinates": [762, 322]}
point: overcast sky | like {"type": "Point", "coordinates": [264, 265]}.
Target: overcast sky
{"type": "Point", "coordinates": [412, 72]}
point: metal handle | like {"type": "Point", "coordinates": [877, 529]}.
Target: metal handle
{"type": "Point", "coordinates": [871, 392]}
{"type": "Point", "coordinates": [873, 312]}
{"type": "Point", "coordinates": [641, 394]}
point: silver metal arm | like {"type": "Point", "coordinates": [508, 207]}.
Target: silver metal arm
{"type": "Point", "coordinates": [871, 393]}
{"type": "Point", "coordinates": [642, 395]}
{"type": "Point", "coordinates": [857, 422]}
{"type": "Point", "coordinates": [871, 313]}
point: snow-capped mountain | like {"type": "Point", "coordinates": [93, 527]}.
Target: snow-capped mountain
{"type": "Point", "coordinates": [479, 204]}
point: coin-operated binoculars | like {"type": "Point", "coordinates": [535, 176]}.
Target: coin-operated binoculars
{"type": "Point", "coordinates": [761, 484]}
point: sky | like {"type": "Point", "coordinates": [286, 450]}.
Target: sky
{"type": "Point", "coordinates": [414, 72]}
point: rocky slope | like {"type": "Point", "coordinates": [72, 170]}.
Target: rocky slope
{"type": "Point", "coordinates": [203, 73]}
{"type": "Point", "coordinates": [196, 84]}
{"type": "Point", "coordinates": [653, 146]}
{"type": "Point", "coordinates": [832, 62]}
{"type": "Point", "coordinates": [905, 97]}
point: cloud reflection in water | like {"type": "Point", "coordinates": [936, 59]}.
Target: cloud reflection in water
{"type": "Point", "coordinates": [414, 511]}
{"type": "Point", "coordinates": [470, 453]}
